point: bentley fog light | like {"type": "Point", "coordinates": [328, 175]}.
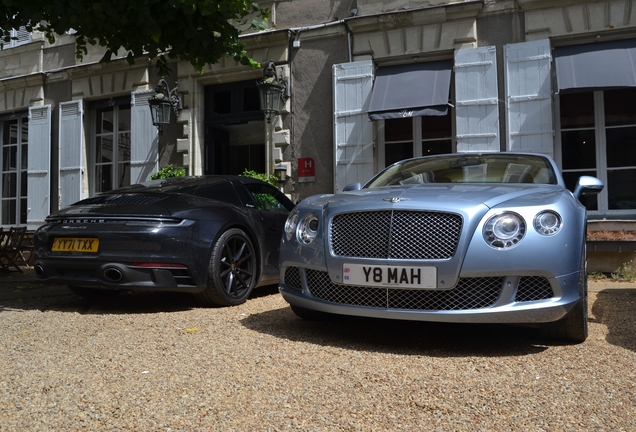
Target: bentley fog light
{"type": "Point", "coordinates": [308, 228]}
{"type": "Point", "coordinates": [547, 223]}
{"type": "Point", "coordinates": [504, 231]}
{"type": "Point", "coordinates": [290, 225]}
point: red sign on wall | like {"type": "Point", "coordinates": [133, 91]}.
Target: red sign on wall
{"type": "Point", "coordinates": [306, 170]}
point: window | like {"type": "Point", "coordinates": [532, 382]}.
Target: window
{"type": "Point", "coordinates": [221, 190]}
{"type": "Point", "coordinates": [398, 140]}
{"type": "Point", "coordinates": [15, 134]}
{"type": "Point", "coordinates": [598, 132]}
{"type": "Point", "coordinates": [234, 129]}
{"type": "Point", "coordinates": [111, 149]}
{"type": "Point", "coordinates": [232, 103]}
{"type": "Point", "coordinates": [417, 136]}
{"type": "Point", "coordinates": [267, 198]}
{"type": "Point", "coordinates": [437, 135]}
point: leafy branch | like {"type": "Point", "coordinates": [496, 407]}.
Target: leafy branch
{"type": "Point", "coordinates": [197, 31]}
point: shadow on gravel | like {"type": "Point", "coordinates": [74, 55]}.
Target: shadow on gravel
{"type": "Point", "coordinates": [403, 337]}
{"type": "Point", "coordinates": [616, 309]}
{"type": "Point", "coordinates": [60, 299]}
{"type": "Point", "coordinates": [19, 292]}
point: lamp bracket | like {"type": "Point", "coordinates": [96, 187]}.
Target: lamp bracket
{"type": "Point", "coordinates": [174, 97]}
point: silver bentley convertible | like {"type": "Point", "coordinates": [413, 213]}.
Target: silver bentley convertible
{"type": "Point", "coordinates": [462, 238]}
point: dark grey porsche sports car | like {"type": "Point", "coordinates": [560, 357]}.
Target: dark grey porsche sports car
{"type": "Point", "coordinates": [215, 236]}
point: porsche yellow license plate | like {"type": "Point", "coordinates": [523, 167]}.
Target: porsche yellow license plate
{"type": "Point", "coordinates": [88, 245]}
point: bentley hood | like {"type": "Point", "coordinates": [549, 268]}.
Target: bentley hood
{"type": "Point", "coordinates": [438, 197]}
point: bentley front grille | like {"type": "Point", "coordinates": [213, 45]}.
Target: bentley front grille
{"type": "Point", "coordinates": [395, 234]}
{"type": "Point", "coordinates": [533, 288]}
{"type": "Point", "coordinates": [470, 293]}
{"type": "Point", "coordinates": [292, 278]}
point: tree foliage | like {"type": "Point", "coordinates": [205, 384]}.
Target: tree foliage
{"type": "Point", "coordinates": [271, 179]}
{"type": "Point", "coordinates": [197, 31]}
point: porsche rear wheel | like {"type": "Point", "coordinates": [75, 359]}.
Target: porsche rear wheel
{"type": "Point", "coordinates": [573, 327]}
{"type": "Point", "coordinates": [232, 272]}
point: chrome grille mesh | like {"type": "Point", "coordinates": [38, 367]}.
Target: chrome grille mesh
{"type": "Point", "coordinates": [292, 278]}
{"type": "Point", "coordinates": [395, 234]}
{"type": "Point", "coordinates": [470, 293]}
{"type": "Point", "coordinates": [533, 288]}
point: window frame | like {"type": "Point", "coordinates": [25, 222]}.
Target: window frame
{"type": "Point", "coordinates": [20, 171]}
{"type": "Point", "coordinates": [601, 169]}
{"type": "Point", "coordinates": [115, 163]}
{"type": "Point", "coordinates": [418, 139]}
{"type": "Point", "coordinates": [237, 94]}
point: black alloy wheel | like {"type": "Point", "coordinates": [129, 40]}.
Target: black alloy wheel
{"type": "Point", "coordinates": [232, 273]}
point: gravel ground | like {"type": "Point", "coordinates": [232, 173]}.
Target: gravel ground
{"type": "Point", "coordinates": [159, 362]}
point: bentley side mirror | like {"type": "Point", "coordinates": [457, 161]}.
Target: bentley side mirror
{"type": "Point", "coordinates": [352, 187]}
{"type": "Point", "coordinates": [587, 185]}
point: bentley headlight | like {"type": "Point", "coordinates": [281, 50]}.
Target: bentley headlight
{"type": "Point", "coordinates": [548, 223]}
{"type": "Point", "coordinates": [291, 224]}
{"type": "Point", "coordinates": [504, 231]}
{"type": "Point", "coordinates": [308, 228]}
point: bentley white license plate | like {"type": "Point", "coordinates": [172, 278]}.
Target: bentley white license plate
{"type": "Point", "coordinates": [386, 276]}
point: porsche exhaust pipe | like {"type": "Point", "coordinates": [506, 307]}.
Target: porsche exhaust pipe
{"type": "Point", "coordinates": [39, 270]}
{"type": "Point", "coordinates": [113, 274]}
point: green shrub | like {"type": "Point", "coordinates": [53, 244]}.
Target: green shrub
{"type": "Point", "coordinates": [626, 272]}
{"type": "Point", "coordinates": [167, 172]}
{"type": "Point", "coordinates": [263, 201]}
{"type": "Point", "coordinates": [260, 176]}
{"type": "Point", "coordinates": [596, 276]}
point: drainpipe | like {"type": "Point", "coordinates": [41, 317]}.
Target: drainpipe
{"type": "Point", "coordinates": [349, 42]}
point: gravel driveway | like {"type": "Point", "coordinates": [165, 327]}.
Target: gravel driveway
{"type": "Point", "coordinates": [159, 362]}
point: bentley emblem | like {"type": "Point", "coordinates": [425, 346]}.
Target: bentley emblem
{"type": "Point", "coordinates": [393, 199]}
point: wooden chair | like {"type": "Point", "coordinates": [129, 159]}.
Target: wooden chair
{"type": "Point", "coordinates": [25, 251]}
{"type": "Point", "coordinates": [10, 249]}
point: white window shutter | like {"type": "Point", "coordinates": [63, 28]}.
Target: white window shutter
{"type": "Point", "coordinates": [71, 162]}
{"type": "Point", "coordinates": [38, 166]}
{"type": "Point", "coordinates": [353, 131]}
{"type": "Point", "coordinates": [144, 142]}
{"type": "Point", "coordinates": [476, 100]}
{"type": "Point", "coordinates": [22, 36]}
{"type": "Point", "coordinates": [529, 97]}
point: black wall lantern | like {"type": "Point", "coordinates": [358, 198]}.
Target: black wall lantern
{"type": "Point", "coordinates": [162, 102]}
{"type": "Point", "coordinates": [272, 91]}
{"type": "Point", "coordinates": [281, 173]}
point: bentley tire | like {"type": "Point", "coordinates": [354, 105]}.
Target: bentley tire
{"type": "Point", "coordinates": [573, 327]}
{"type": "Point", "coordinates": [232, 272]}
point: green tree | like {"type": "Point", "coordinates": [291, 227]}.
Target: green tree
{"type": "Point", "coordinates": [271, 179]}
{"type": "Point", "coordinates": [197, 31]}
